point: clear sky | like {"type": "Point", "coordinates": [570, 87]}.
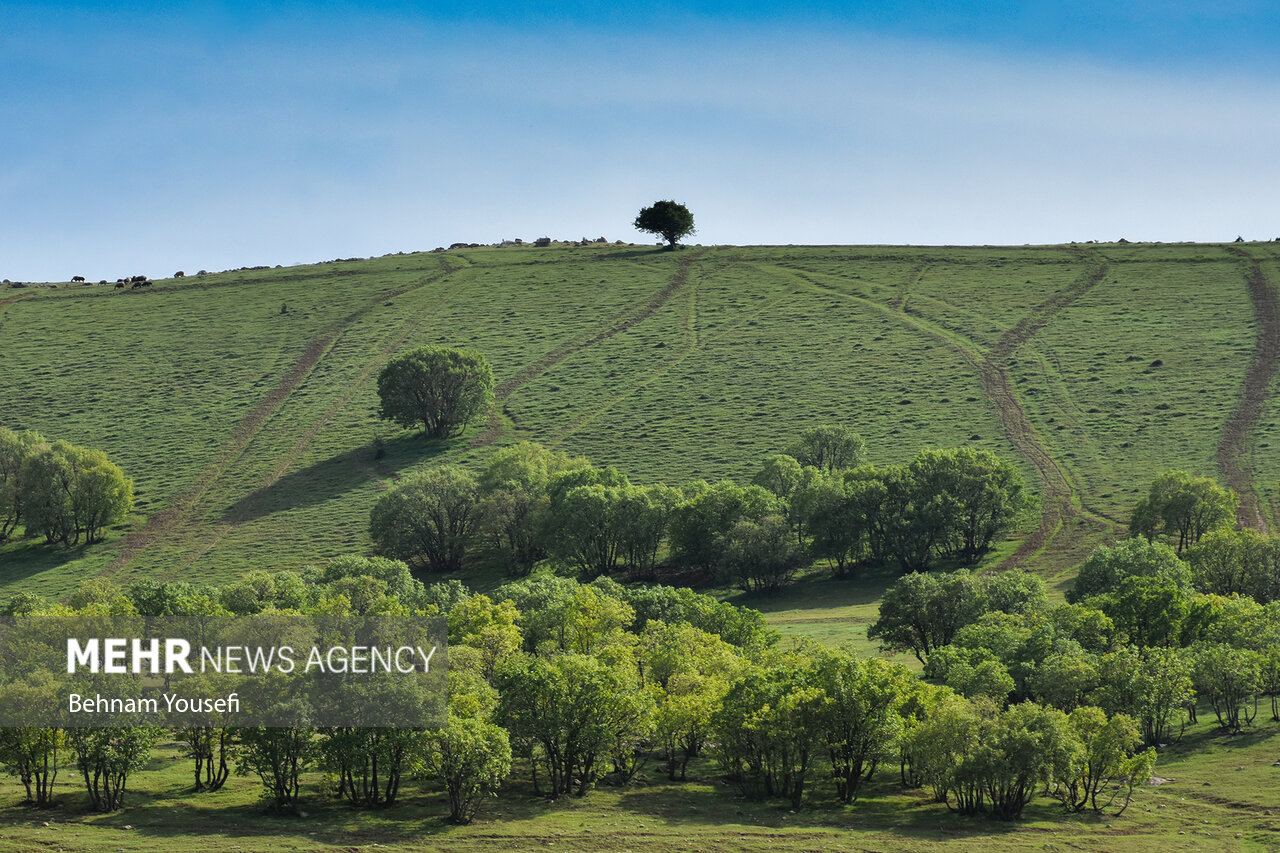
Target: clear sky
{"type": "Point", "coordinates": [136, 140]}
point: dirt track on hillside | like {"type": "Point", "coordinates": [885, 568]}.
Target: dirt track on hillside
{"type": "Point", "coordinates": [618, 323]}
{"type": "Point", "coordinates": [1257, 382]}
{"type": "Point", "coordinates": [249, 426]}
{"type": "Point", "coordinates": [1058, 487]}
{"type": "Point", "coordinates": [236, 513]}
{"type": "Point", "coordinates": [904, 286]}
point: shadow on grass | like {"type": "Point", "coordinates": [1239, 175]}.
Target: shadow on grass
{"type": "Point", "coordinates": [639, 253]}
{"type": "Point", "coordinates": [20, 560]}
{"type": "Point", "coordinates": [418, 815]}
{"type": "Point", "coordinates": [882, 807]}
{"type": "Point", "coordinates": [1208, 734]}
{"type": "Point", "coordinates": [319, 820]}
{"type": "Point", "coordinates": [334, 477]}
{"type": "Point", "coordinates": [819, 589]}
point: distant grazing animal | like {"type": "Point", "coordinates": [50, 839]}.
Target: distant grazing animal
{"type": "Point", "coordinates": [119, 284]}
{"type": "Point", "coordinates": [77, 278]}
{"type": "Point", "coordinates": [179, 274]}
{"type": "Point", "coordinates": [135, 285]}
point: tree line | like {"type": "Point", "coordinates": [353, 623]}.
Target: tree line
{"type": "Point", "coordinates": [819, 501]}
{"type": "Point", "coordinates": [580, 684]}
{"type": "Point", "coordinates": [65, 493]}
{"type": "Point", "coordinates": [1146, 631]}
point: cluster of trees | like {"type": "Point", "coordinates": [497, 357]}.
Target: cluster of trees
{"type": "Point", "coordinates": [579, 685]}
{"type": "Point", "coordinates": [1135, 638]}
{"type": "Point", "coordinates": [819, 501]}
{"type": "Point", "coordinates": [65, 493]}
{"type": "Point", "coordinates": [346, 601]}
{"type": "Point", "coordinates": [585, 682]}
{"type": "Point", "coordinates": [1183, 508]}
{"type": "Point", "coordinates": [826, 713]}
{"type": "Point", "coordinates": [1236, 562]}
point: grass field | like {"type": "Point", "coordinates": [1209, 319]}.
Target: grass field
{"type": "Point", "coordinates": [242, 404]}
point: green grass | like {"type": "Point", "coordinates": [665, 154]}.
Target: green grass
{"type": "Point", "coordinates": [821, 609]}
{"type": "Point", "coordinates": [249, 434]}
{"type": "Point", "coordinates": [254, 427]}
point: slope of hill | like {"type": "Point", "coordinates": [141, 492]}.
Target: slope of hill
{"type": "Point", "coordinates": [242, 403]}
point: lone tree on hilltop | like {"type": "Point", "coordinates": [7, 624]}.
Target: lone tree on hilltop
{"type": "Point", "coordinates": [442, 388]}
{"type": "Point", "coordinates": [669, 219]}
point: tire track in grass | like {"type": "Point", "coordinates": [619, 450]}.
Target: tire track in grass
{"type": "Point", "coordinates": [620, 322]}
{"type": "Point", "coordinates": [1059, 491]}
{"type": "Point", "coordinates": [250, 425]}
{"type": "Point", "coordinates": [1061, 499]}
{"type": "Point", "coordinates": [289, 459]}
{"type": "Point", "coordinates": [1253, 394]}
{"type": "Point", "coordinates": [694, 341]}
{"type": "Point", "coordinates": [9, 300]}
{"type": "Point", "coordinates": [904, 287]}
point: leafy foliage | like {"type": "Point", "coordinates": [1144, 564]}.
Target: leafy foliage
{"type": "Point", "coordinates": [829, 448]}
{"type": "Point", "coordinates": [430, 516]}
{"type": "Point", "coordinates": [471, 757]}
{"type": "Point", "coordinates": [669, 219]}
{"type": "Point", "coordinates": [441, 388]}
{"type": "Point", "coordinates": [107, 756]}
{"type": "Point", "coordinates": [1183, 508]}
{"type": "Point", "coordinates": [60, 491]}
{"type": "Point", "coordinates": [1109, 566]}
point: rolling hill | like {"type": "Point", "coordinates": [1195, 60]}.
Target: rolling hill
{"type": "Point", "coordinates": [242, 403]}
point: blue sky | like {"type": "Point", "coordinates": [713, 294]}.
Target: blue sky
{"type": "Point", "coordinates": [214, 136]}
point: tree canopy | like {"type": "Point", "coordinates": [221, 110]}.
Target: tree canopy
{"type": "Point", "coordinates": [442, 388]}
{"type": "Point", "coordinates": [669, 219]}
{"type": "Point", "coordinates": [59, 490]}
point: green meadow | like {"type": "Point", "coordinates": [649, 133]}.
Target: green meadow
{"type": "Point", "coordinates": [243, 405]}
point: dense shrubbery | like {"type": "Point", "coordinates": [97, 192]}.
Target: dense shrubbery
{"type": "Point", "coordinates": [579, 683]}
{"type": "Point", "coordinates": [584, 684]}
{"type": "Point", "coordinates": [1145, 633]}
{"type": "Point", "coordinates": [65, 493]}
{"type": "Point", "coordinates": [531, 503]}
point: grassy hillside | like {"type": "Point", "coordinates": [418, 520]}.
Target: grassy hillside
{"type": "Point", "coordinates": [242, 403]}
